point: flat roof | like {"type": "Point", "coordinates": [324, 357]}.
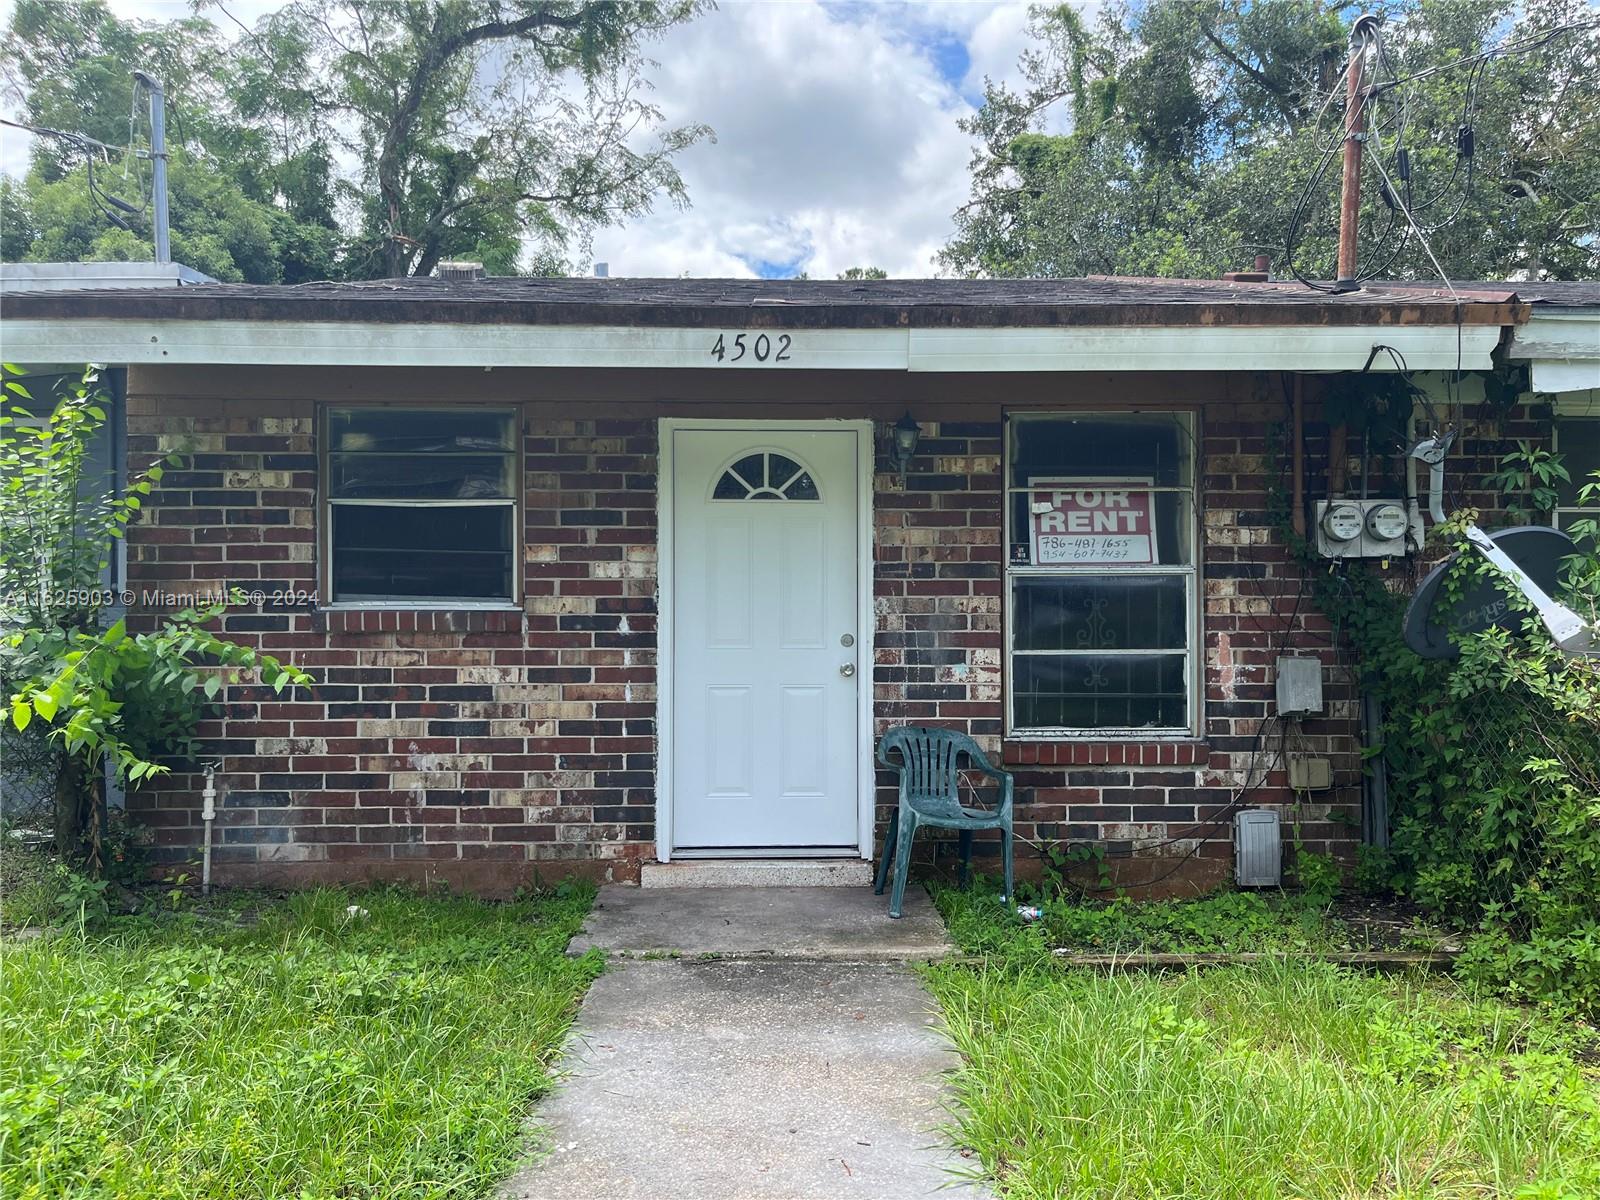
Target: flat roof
{"type": "Point", "coordinates": [797, 303]}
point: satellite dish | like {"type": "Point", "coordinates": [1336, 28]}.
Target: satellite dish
{"type": "Point", "coordinates": [1486, 601]}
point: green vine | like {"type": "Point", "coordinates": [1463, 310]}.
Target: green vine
{"type": "Point", "coordinates": [1493, 759]}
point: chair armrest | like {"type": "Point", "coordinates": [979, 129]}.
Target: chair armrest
{"type": "Point", "coordinates": [1007, 784]}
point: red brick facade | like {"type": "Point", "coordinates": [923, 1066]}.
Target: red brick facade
{"type": "Point", "coordinates": [487, 748]}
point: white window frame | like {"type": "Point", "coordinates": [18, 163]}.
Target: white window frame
{"type": "Point", "coordinates": [1579, 406]}
{"type": "Point", "coordinates": [1191, 574]}
{"type": "Point", "coordinates": [326, 505]}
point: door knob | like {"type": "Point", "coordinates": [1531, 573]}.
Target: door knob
{"type": "Point", "coordinates": [847, 670]}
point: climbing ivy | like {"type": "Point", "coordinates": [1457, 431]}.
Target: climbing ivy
{"type": "Point", "coordinates": [1493, 759]}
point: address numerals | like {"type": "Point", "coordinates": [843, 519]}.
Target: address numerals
{"type": "Point", "coordinates": [760, 348]}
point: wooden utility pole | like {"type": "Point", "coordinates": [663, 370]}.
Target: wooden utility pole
{"type": "Point", "coordinates": [1355, 134]}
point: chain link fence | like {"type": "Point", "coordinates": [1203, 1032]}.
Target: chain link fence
{"type": "Point", "coordinates": [29, 763]}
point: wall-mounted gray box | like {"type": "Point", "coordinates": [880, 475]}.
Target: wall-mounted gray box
{"type": "Point", "coordinates": [1299, 686]}
{"type": "Point", "coordinates": [1257, 848]}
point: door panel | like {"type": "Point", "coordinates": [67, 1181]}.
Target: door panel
{"type": "Point", "coordinates": [765, 595]}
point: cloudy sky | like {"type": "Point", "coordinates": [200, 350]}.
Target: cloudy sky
{"type": "Point", "coordinates": [836, 140]}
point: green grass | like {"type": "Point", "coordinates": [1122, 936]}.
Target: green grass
{"type": "Point", "coordinates": [304, 1055]}
{"type": "Point", "coordinates": [1283, 1079]}
{"type": "Point", "coordinates": [1224, 922]}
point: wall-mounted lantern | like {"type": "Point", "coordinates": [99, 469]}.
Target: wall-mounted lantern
{"type": "Point", "coordinates": [907, 433]}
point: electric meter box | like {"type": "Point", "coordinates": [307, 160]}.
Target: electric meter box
{"type": "Point", "coordinates": [1367, 528]}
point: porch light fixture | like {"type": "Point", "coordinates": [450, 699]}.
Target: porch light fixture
{"type": "Point", "coordinates": [907, 433]}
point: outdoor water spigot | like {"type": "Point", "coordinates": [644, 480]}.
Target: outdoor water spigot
{"type": "Point", "coordinates": [208, 813]}
{"type": "Point", "coordinates": [208, 794]}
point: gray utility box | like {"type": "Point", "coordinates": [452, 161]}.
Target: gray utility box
{"type": "Point", "coordinates": [1257, 848]}
{"type": "Point", "coordinates": [1299, 685]}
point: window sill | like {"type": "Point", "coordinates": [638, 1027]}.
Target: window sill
{"type": "Point", "coordinates": [1063, 752]}
{"type": "Point", "coordinates": [388, 618]}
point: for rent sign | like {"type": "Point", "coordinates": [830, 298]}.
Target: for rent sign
{"type": "Point", "coordinates": [1090, 522]}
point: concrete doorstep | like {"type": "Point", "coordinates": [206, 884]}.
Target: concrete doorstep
{"type": "Point", "coordinates": [772, 1072]}
{"type": "Point", "coordinates": [816, 924]}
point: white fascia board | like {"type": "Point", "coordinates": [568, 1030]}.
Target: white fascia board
{"type": "Point", "coordinates": [1562, 349]}
{"type": "Point", "coordinates": [1564, 375]}
{"type": "Point", "coordinates": [373, 344]}
{"type": "Point", "coordinates": [1202, 348]}
{"type": "Point", "coordinates": [1578, 403]}
{"type": "Point", "coordinates": [1566, 333]}
{"type": "Point", "coordinates": [1063, 348]}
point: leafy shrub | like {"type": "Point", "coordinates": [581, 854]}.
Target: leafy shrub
{"type": "Point", "coordinates": [111, 697]}
{"type": "Point", "coordinates": [1494, 767]}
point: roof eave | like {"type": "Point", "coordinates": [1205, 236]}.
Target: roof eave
{"type": "Point", "coordinates": [181, 306]}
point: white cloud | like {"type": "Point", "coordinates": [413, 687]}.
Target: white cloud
{"type": "Point", "coordinates": [837, 143]}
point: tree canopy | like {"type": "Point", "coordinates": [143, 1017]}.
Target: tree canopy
{"type": "Point", "coordinates": [1177, 137]}
{"type": "Point", "coordinates": [357, 139]}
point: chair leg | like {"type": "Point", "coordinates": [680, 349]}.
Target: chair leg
{"type": "Point", "coordinates": [1005, 850]}
{"type": "Point", "coordinates": [888, 853]}
{"type": "Point", "coordinates": [902, 863]}
{"type": "Point", "coordinates": [966, 857]}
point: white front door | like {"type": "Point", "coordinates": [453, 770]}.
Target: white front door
{"type": "Point", "coordinates": [765, 658]}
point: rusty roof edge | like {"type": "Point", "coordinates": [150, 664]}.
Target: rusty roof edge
{"type": "Point", "coordinates": [1469, 293]}
{"type": "Point", "coordinates": [1401, 308]}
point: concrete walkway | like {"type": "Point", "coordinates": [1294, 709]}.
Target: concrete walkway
{"type": "Point", "coordinates": [770, 1062]}
{"type": "Point", "coordinates": [823, 924]}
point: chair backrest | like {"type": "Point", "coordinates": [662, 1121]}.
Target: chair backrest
{"type": "Point", "coordinates": [928, 757]}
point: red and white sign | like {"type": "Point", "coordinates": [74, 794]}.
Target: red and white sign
{"type": "Point", "coordinates": [1092, 522]}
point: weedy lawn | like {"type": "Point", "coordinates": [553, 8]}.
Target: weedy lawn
{"type": "Point", "coordinates": [1281, 1079]}
{"type": "Point", "coordinates": [305, 1054]}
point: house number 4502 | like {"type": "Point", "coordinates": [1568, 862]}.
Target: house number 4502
{"type": "Point", "coordinates": [759, 348]}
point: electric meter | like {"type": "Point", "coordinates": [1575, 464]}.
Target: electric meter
{"type": "Point", "coordinates": [1342, 522]}
{"type": "Point", "coordinates": [1387, 522]}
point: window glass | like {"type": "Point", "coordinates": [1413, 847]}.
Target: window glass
{"type": "Point", "coordinates": [1100, 612]}
{"type": "Point", "coordinates": [766, 476]}
{"type": "Point", "coordinates": [412, 431]}
{"type": "Point", "coordinates": [1150, 446]}
{"type": "Point", "coordinates": [1578, 443]}
{"type": "Point", "coordinates": [1101, 586]}
{"type": "Point", "coordinates": [420, 476]}
{"type": "Point", "coordinates": [421, 505]}
{"type": "Point", "coordinates": [1095, 691]}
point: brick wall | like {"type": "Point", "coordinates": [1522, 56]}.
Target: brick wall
{"type": "Point", "coordinates": [476, 748]}
{"type": "Point", "coordinates": [1159, 808]}
{"type": "Point", "coordinates": [481, 748]}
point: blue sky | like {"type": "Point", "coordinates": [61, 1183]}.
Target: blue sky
{"type": "Point", "coordinates": [836, 146]}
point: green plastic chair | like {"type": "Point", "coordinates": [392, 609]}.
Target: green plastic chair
{"type": "Point", "coordinates": [930, 779]}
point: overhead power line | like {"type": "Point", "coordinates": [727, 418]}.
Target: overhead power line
{"type": "Point", "coordinates": [1395, 187]}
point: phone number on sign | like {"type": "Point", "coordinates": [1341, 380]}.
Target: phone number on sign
{"type": "Point", "coordinates": [78, 598]}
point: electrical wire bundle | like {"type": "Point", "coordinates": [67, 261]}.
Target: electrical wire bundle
{"type": "Point", "coordinates": [114, 208]}
{"type": "Point", "coordinates": [1395, 181]}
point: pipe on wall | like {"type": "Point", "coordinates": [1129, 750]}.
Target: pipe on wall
{"type": "Point", "coordinates": [1298, 513]}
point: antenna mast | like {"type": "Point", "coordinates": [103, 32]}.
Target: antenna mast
{"type": "Point", "coordinates": [158, 159]}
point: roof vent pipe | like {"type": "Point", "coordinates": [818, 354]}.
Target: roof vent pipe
{"type": "Point", "coordinates": [459, 272]}
{"type": "Point", "coordinates": [1262, 273]}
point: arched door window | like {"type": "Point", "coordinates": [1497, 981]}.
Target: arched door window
{"type": "Point", "coordinates": [766, 475]}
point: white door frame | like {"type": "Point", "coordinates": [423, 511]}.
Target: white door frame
{"type": "Point", "coordinates": [865, 775]}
